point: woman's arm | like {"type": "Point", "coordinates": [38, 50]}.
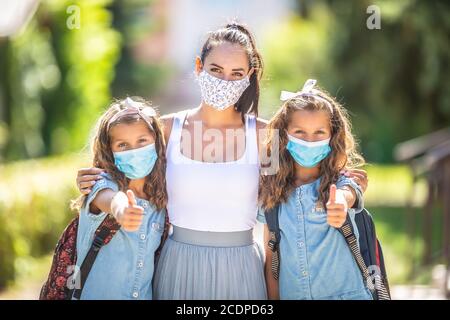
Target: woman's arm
{"type": "Point", "coordinates": [86, 178]}
{"type": "Point", "coordinates": [271, 283]}
{"type": "Point", "coordinates": [347, 193]}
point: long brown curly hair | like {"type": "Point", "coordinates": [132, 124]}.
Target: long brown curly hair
{"type": "Point", "coordinates": [155, 182]}
{"type": "Point", "coordinates": [276, 188]}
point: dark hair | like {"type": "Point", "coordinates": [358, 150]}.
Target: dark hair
{"type": "Point", "coordinates": [236, 33]}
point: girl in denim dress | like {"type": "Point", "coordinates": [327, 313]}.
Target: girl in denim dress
{"type": "Point", "coordinates": [129, 147]}
{"type": "Point", "coordinates": [315, 145]}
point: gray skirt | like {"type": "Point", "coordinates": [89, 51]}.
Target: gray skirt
{"type": "Point", "coordinates": [198, 265]}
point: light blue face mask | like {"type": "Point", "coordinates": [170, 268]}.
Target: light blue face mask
{"type": "Point", "coordinates": [136, 163]}
{"type": "Point", "coordinates": [308, 154]}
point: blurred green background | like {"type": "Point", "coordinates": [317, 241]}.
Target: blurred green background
{"type": "Point", "coordinates": [55, 81]}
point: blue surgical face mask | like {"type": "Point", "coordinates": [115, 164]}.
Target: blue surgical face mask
{"type": "Point", "coordinates": [136, 163]}
{"type": "Point", "coordinates": [308, 154]}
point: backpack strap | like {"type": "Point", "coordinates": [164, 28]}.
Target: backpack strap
{"type": "Point", "coordinates": [382, 265]}
{"type": "Point", "coordinates": [274, 240]}
{"type": "Point", "coordinates": [380, 290]}
{"type": "Point", "coordinates": [103, 235]}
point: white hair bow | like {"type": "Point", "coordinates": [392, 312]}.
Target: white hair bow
{"type": "Point", "coordinates": [133, 107]}
{"type": "Point", "coordinates": [308, 89]}
{"type": "Point", "coordinates": [148, 111]}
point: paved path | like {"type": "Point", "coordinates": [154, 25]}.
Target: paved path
{"type": "Point", "coordinates": [416, 292]}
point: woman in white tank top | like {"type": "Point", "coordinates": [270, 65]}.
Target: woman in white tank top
{"type": "Point", "coordinates": [212, 199]}
{"type": "Point", "coordinates": [212, 196]}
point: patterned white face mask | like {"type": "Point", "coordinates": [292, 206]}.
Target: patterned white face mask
{"type": "Point", "coordinates": [219, 93]}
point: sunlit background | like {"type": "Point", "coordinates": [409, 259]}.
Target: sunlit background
{"type": "Point", "coordinates": [62, 62]}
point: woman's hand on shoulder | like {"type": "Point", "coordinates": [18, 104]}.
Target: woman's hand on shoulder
{"type": "Point", "coordinates": [86, 178]}
{"type": "Point", "coordinates": [359, 176]}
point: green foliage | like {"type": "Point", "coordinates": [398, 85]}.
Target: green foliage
{"type": "Point", "coordinates": [400, 253]}
{"type": "Point", "coordinates": [139, 72]}
{"type": "Point", "coordinates": [400, 74]}
{"type": "Point", "coordinates": [88, 56]}
{"type": "Point", "coordinates": [56, 79]}
{"type": "Point", "coordinates": [394, 81]}
{"type": "Point", "coordinates": [294, 51]}
{"type": "Point", "coordinates": [34, 209]}
{"type": "Point", "coordinates": [392, 186]}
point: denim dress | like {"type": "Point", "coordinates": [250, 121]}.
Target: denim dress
{"type": "Point", "coordinates": [124, 267]}
{"type": "Point", "coordinates": [315, 260]}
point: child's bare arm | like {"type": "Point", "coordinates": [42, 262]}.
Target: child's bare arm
{"type": "Point", "coordinates": [271, 283]}
{"type": "Point", "coordinates": [348, 194]}
{"type": "Point", "coordinates": [121, 205]}
{"type": "Point", "coordinates": [102, 201]}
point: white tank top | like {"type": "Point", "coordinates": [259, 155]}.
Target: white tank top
{"type": "Point", "coordinates": [212, 196]}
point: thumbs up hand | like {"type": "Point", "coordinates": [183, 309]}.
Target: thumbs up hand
{"type": "Point", "coordinates": [126, 211]}
{"type": "Point", "coordinates": [336, 207]}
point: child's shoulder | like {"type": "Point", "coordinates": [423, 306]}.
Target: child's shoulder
{"type": "Point", "coordinates": [106, 181]}
{"type": "Point", "coordinates": [346, 181]}
{"type": "Point", "coordinates": [106, 176]}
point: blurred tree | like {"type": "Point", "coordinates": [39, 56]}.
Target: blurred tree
{"type": "Point", "coordinates": [55, 79]}
{"type": "Point", "coordinates": [87, 57]}
{"type": "Point", "coordinates": [394, 81]}
{"type": "Point", "coordinates": [27, 69]}
{"type": "Point", "coordinates": [139, 71]}
{"type": "Point", "coordinates": [295, 50]}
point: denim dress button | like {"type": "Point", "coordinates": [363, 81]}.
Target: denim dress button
{"type": "Point", "coordinates": [143, 236]}
{"type": "Point", "coordinates": [156, 226]}
{"type": "Point", "coordinates": [135, 294]}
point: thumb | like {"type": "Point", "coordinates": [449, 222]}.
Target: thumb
{"type": "Point", "coordinates": [131, 198]}
{"type": "Point", "coordinates": [332, 198]}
